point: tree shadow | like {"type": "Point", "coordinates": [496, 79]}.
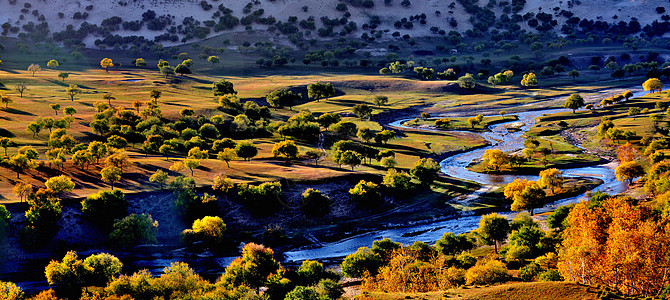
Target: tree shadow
{"type": "Point", "coordinates": [16, 111]}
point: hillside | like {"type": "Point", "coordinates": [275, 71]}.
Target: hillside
{"type": "Point", "coordinates": [181, 21]}
{"type": "Point", "coordinates": [518, 291]}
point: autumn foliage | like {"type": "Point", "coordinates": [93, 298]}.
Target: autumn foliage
{"type": "Point", "coordinates": [618, 244]}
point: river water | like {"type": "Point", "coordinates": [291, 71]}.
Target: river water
{"type": "Point", "coordinates": [456, 166]}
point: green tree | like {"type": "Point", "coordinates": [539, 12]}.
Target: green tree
{"type": "Point", "coordinates": [652, 85]}
{"type": "Point", "coordinates": [467, 81]}
{"type": "Point", "coordinates": [223, 87]}
{"type": "Point", "coordinates": [5, 143]}
{"type": "Point", "coordinates": [362, 111]}
{"type": "Point", "coordinates": [55, 107]}
{"type": "Point", "coordinates": [451, 244]}
{"type": "Point", "coordinates": [365, 192]}
{"type": "Point", "coordinates": [283, 97]}
{"type": "Point", "coordinates": [252, 269]}
{"type": "Point", "coordinates": [167, 71]}
{"type": "Point", "coordinates": [140, 62]}
{"type": "Point", "coordinates": [72, 91]}
{"type": "Point", "coordinates": [529, 80]}
{"type": "Point", "coordinates": [380, 100]}
{"type": "Point", "coordinates": [350, 158]}
{"type": "Point", "coordinates": [208, 229]}
{"type": "Point", "coordinates": [105, 267]}
{"type": "Point", "coordinates": [104, 207]}
{"type": "Point", "coordinates": [628, 171]}
{"type": "Point", "coordinates": [287, 149]}
{"type": "Point", "coordinates": [315, 154]}
{"type": "Point", "coordinates": [426, 170]}
{"type": "Point", "coordinates": [303, 293]}
{"type": "Point", "coordinates": [132, 230]}
{"type": "Point", "coordinates": [69, 111]}
{"type": "Point", "coordinates": [111, 175]}
{"type": "Point", "coordinates": [573, 73]}
{"type": "Point", "coordinates": [361, 262]}
{"type": "Point", "coordinates": [365, 134]}
{"type": "Point", "coordinates": [315, 203]}
{"type": "Point", "coordinates": [213, 59]}
{"type": "Point", "coordinates": [70, 273]}
{"type": "Point", "coordinates": [493, 229]}
{"type": "Point", "coordinates": [53, 64]}
{"type": "Point", "coordinates": [20, 163]}
{"type": "Point", "coordinates": [227, 155]}
{"type": "Point", "coordinates": [159, 176]}
{"type": "Point", "coordinates": [575, 101]}
{"type": "Point", "coordinates": [320, 90]}
{"type": "Point", "coordinates": [60, 184]}
{"type": "Point", "coordinates": [246, 150]}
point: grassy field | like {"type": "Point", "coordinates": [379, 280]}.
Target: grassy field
{"type": "Point", "coordinates": [462, 123]}
{"type": "Point", "coordinates": [130, 84]}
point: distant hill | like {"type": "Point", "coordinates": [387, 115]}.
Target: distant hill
{"type": "Point", "coordinates": [172, 22]}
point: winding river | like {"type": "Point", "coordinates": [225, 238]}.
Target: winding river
{"type": "Point", "coordinates": [456, 166]}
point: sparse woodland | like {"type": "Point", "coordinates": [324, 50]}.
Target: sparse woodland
{"type": "Point", "coordinates": [142, 145]}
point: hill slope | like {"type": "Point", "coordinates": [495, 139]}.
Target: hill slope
{"type": "Point", "coordinates": [176, 28]}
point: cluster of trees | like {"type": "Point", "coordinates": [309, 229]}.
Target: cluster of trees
{"type": "Point", "coordinates": [391, 267]}
{"type": "Point", "coordinates": [256, 268]}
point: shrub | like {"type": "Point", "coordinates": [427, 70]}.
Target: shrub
{"type": "Point", "coordinates": [133, 229]}
{"type": "Point", "coordinates": [302, 293]}
{"type": "Point", "coordinates": [330, 289]}
{"type": "Point", "coordinates": [315, 203]}
{"type": "Point", "coordinates": [104, 268]}
{"type": "Point", "coordinates": [486, 272]}
{"type": "Point", "coordinates": [365, 192]}
{"type": "Point", "coordinates": [528, 272]}
{"type": "Point", "coordinates": [208, 229]}
{"type": "Point", "coordinates": [360, 262]}
{"type": "Point", "coordinates": [550, 275]}
{"type": "Point", "coordinates": [260, 198]}
{"type": "Point", "coordinates": [105, 206]}
{"type": "Point", "coordinates": [400, 182]}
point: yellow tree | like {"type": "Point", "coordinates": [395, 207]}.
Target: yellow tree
{"type": "Point", "coordinates": [495, 159]}
{"type": "Point", "coordinates": [72, 91]}
{"type": "Point", "coordinates": [106, 63]}
{"type": "Point", "coordinates": [551, 178]}
{"type": "Point", "coordinates": [33, 68]}
{"type": "Point", "coordinates": [653, 85]}
{"type": "Point", "coordinates": [626, 153]}
{"type": "Point", "coordinates": [526, 195]}
{"type": "Point", "coordinates": [628, 171]}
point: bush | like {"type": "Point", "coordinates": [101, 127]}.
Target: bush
{"type": "Point", "coordinates": [466, 260]}
{"type": "Point", "coordinates": [302, 293]}
{"type": "Point", "coordinates": [260, 198]}
{"type": "Point", "coordinates": [132, 230]}
{"type": "Point", "coordinates": [528, 272]}
{"type": "Point", "coordinates": [360, 262]}
{"type": "Point", "coordinates": [208, 230]}
{"type": "Point", "coordinates": [105, 206]}
{"type": "Point", "coordinates": [365, 192]}
{"type": "Point", "coordinates": [486, 272]}
{"type": "Point", "coordinates": [550, 275]}
{"type": "Point", "coordinates": [330, 289]}
{"type": "Point", "coordinates": [315, 203]}
{"type": "Point", "coordinates": [400, 182]}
